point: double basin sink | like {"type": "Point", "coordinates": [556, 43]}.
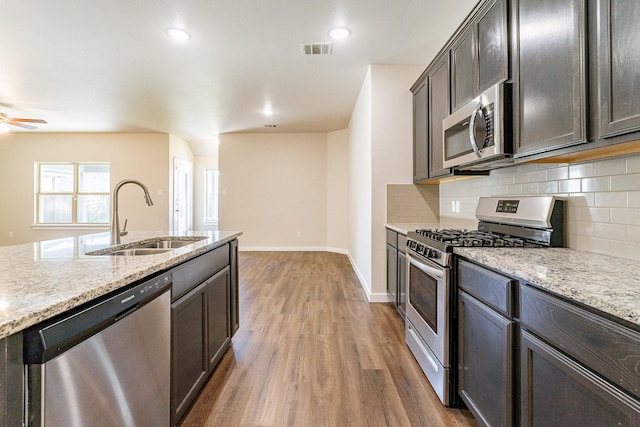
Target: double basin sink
{"type": "Point", "coordinates": [156, 246]}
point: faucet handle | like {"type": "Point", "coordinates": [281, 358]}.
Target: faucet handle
{"type": "Point", "coordinates": [124, 231]}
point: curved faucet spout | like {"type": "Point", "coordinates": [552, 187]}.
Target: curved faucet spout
{"type": "Point", "coordinates": [115, 221]}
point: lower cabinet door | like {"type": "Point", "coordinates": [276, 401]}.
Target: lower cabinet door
{"type": "Point", "coordinates": [188, 358]}
{"type": "Point", "coordinates": [485, 362]}
{"type": "Point", "coordinates": [218, 332]}
{"type": "Point", "coordinates": [557, 391]}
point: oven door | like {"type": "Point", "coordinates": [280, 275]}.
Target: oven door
{"type": "Point", "coordinates": [428, 303]}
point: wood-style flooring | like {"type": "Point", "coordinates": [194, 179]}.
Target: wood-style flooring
{"type": "Point", "coordinates": [311, 351]}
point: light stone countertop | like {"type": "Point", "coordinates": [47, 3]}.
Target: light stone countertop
{"type": "Point", "coordinates": [43, 279]}
{"type": "Point", "coordinates": [606, 283]}
{"type": "Point", "coordinates": [405, 227]}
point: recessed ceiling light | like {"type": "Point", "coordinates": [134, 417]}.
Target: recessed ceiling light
{"type": "Point", "coordinates": [339, 33]}
{"type": "Point", "coordinates": [268, 111]}
{"type": "Point", "coordinates": [178, 34]}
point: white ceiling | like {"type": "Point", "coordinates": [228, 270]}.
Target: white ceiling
{"type": "Point", "coordinates": [108, 66]}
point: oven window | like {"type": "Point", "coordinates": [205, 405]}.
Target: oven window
{"type": "Point", "coordinates": [423, 296]}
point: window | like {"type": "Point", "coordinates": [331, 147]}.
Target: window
{"type": "Point", "coordinates": [72, 193]}
{"type": "Point", "coordinates": [211, 195]}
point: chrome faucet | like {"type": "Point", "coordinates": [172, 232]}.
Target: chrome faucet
{"type": "Point", "coordinates": [115, 221]}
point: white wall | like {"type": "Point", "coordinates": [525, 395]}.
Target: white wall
{"type": "Point", "coordinates": [360, 184]}
{"type": "Point", "coordinates": [392, 154]}
{"type": "Point", "coordinates": [338, 190]}
{"type": "Point", "coordinates": [128, 154]}
{"type": "Point", "coordinates": [380, 141]}
{"type": "Point", "coordinates": [273, 186]}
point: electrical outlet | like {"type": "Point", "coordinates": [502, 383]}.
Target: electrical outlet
{"type": "Point", "coordinates": [298, 234]}
{"type": "Point", "coordinates": [457, 210]}
{"type": "Point", "coordinates": [11, 234]}
{"type": "Point", "coordinates": [453, 206]}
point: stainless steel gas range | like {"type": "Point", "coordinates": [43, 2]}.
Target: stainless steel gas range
{"type": "Point", "coordinates": [514, 222]}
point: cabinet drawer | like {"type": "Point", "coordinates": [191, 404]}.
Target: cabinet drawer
{"type": "Point", "coordinates": [604, 346]}
{"type": "Point", "coordinates": [392, 238]}
{"type": "Point", "coordinates": [402, 242]}
{"type": "Point", "coordinates": [491, 288]}
{"type": "Point", "coordinates": [192, 273]}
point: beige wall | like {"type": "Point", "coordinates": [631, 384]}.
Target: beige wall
{"type": "Point", "coordinates": [273, 186]}
{"type": "Point", "coordinates": [130, 156]}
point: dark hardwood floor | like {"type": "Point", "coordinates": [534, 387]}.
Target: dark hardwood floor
{"type": "Point", "coordinates": [311, 351]}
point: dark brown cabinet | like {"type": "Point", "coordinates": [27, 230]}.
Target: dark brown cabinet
{"type": "Point", "coordinates": [11, 381]}
{"type": "Point", "coordinates": [618, 61]}
{"type": "Point", "coordinates": [420, 131]}
{"type": "Point", "coordinates": [234, 297]}
{"type": "Point", "coordinates": [479, 55]}
{"type": "Point", "coordinates": [577, 369]}
{"type": "Point", "coordinates": [549, 74]}
{"type": "Point", "coordinates": [558, 391]}
{"type": "Point", "coordinates": [486, 345]}
{"type": "Point", "coordinates": [200, 324]}
{"type": "Point", "coordinates": [396, 270]}
{"type": "Point", "coordinates": [438, 108]}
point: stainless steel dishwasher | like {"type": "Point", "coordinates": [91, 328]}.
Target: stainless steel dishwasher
{"type": "Point", "coordinates": [107, 364]}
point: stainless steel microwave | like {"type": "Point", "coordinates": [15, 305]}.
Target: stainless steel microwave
{"type": "Point", "coordinates": [480, 131]}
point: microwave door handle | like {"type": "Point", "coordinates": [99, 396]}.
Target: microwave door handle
{"type": "Point", "coordinates": [472, 127]}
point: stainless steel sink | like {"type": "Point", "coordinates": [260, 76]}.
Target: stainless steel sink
{"type": "Point", "coordinates": [138, 251]}
{"type": "Point", "coordinates": [155, 246]}
{"type": "Point", "coordinates": [164, 244]}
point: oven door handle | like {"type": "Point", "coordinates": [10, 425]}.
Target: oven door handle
{"type": "Point", "coordinates": [439, 273]}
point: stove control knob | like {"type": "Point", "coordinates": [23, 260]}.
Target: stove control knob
{"type": "Point", "coordinates": [433, 254]}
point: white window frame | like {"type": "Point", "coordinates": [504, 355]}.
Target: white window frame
{"type": "Point", "coordinates": [209, 220]}
{"type": "Point", "coordinates": [74, 194]}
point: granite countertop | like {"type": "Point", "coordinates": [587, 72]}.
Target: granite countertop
{"type": "Point", "coordinates": [43, 279]}
{"type": "Point", "coordinates": [606, 283]}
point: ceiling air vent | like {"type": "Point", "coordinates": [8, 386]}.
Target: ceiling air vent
{"type": "Point", "coordinates": [317, 48]}
{"type": "Point", "coordinates": [270, 126]}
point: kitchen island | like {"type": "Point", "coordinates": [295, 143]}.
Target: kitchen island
{"type": "Point", "coordinates": [41, 280]}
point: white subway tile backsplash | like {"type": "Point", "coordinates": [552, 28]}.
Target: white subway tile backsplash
{"type": "Point", "coordinates": [596, 214]}
{"type": "Point", "coordinates": [561, 172]}
{"type": "Point", "coordinates": [629, 216]}
{"type": "Point", "coordinates": [581, 170]}
{"type": "Point", "coordinates": [548, 187]}
{"type": "Point", "coordinates": [603, 199]}
{"type": "Point", "coordinates": [633, 199]}
{"type": "Point", "coordinates": [610, 231]}
{"type": "Point", "coordinates": [633, 164]}
{"type": "Point", "coordinates": [611, 199]}
{"type": "Point", "coordinates": [615, 166]}
{"type": "Point", "coordinates": [628, 182]}
{"type": "Point", "coordinates": [569, 186]}
{"type": "Point", "coordinates": [596, 184]}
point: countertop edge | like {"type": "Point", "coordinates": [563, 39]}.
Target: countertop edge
{"type": "Point", "coordinates": [30, 318]}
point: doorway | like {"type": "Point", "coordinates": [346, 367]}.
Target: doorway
{"type": "Point", "coordinates": [182, 195]}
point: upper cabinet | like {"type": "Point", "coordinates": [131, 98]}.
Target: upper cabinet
{"type": "Point", "coordinates": [479, 55]}
{"type": "Point", "coordinates": [549, 74]}
{"type": "Point", "coordinates": [420, 131]}
{"type": "Point", "coordinates": [617, 42]}
{"type": "Point", "coordinates": [438, 108]}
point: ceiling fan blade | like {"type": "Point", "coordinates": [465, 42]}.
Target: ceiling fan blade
{"type": "Point", "coordinates": [21, 125]}
{"type": "Point", "coordinates": [28, 120]}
